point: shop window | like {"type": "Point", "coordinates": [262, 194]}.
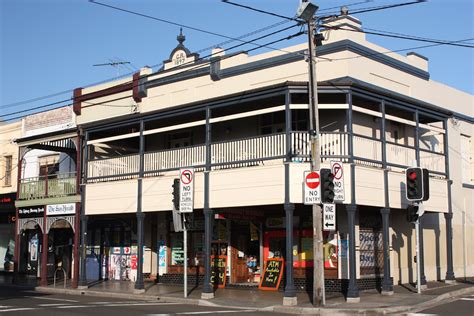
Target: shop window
{"type": "Point", "coordinates": [177, 249]}
{"type": "Point", "coordinates": [7, 178]}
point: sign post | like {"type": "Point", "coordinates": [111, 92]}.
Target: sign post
{"type": "Point", "coordinates": [337, 170]}
{"type": "Point", "coordinates": [186, 205]}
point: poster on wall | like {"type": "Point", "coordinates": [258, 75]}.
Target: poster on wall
{"type": "Point", "coordinates": [162, 257]}
{"type": "Point", "coordinates": [33, 247]}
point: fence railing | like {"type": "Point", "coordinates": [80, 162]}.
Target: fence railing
{"type": "Point", "coordinates": [256, 150]}
{"type": "Point", "coordinates": [55, 185]}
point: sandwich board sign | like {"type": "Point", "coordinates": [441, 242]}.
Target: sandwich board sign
{"type": "Point", "coordinates": [312, 188]}
{"type": "Point", "coordinates": [338, 171]}
{"type": "Point", "coordinates": [186, 190]}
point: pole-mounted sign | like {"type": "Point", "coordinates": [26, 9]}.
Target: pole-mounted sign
{"type": "Point", "coordinates": [312, 188]}
{"type": "Point", "coordinates": [338, 172]}
{"type": "Point", "coordinates": [329, 217]}
{"type": "Point", "coordinates": [186, 199]}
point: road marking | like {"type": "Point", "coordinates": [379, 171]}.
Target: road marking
{"type": "Point", "coordinates": [218, 312]}
{"type": "Point", "coordinates": [16, 309]}
{"type": "Point", "coordinates": [54, 304]}
{"type": "Point", "coordinates": [420, 314]}
{"type": "Point", "coordinates": [467, 299]}
{"type": "Point", "coordinates": [140, 304]}
{"type": "Point", "coordinates": [73, 306]}
{"type": "Point", "coordinates": [52, 299]}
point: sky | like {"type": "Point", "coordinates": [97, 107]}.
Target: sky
{"type": "Point", "coordinates": [51, 46]}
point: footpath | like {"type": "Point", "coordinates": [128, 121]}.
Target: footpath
{"type": "Point", "coordinates": [404, 300]}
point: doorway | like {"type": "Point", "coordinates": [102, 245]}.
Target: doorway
{"type": "Point", "coordinates": [245, 252]}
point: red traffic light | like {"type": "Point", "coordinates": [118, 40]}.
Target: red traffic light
{"type": "Point", "coordinates": [412, 175]}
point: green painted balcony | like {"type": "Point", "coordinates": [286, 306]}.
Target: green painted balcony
{"type": "Point", "coordinates": [51, 186]}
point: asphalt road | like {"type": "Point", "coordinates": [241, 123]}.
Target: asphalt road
{"type": "Point", "coordinates": [22, 302]}
{"type": "Point", "coordinates": [461, 306]}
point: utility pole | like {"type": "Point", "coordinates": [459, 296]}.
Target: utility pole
{"type": "Point", "coordinates": [318, 272]}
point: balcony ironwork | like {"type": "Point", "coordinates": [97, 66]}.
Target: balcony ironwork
{"type": "Point", "coordinates": [50, 186]}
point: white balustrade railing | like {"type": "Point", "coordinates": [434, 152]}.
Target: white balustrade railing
{"type": "Point", "coordinates": [113, 166]}
{"type": "Point", "coordinates": [255, 150]}
{"type": "Point", "coordinates": [175, 158]}
{"type": "Point", "coordinates": [432, 161]}
{"type": "Point", "coordinates": [400, 155]}
{"type": "Point", "coordinates": [366, 148]}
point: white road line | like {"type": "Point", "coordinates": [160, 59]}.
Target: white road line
{"type": "Point", "coordinates": [51, 299]}
{"type": "Point", "coordinates": [73, 306]}
{"type": "Point", "coordinates": [140, 304]}
{"type": "Point", "coordinates": [218, 312]}
{"type": "Point", "coordinates": [5, 306]}
{"type": "Point", "coordinates": [420, 314]}
{"type": "Point", "coordinates": [467, 299]}
{"type": "Point", "coordinates": [55, 304]}
{"type": "Point", "coordinates": [16, 309]}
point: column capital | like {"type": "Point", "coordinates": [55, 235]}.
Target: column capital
{"type": "Point", "coordinates": [385, 210]}
{"type": "Point", "coordinates": [448, 215]}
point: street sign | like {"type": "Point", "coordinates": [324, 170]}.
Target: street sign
{"type": "Point", "coordinates": [329, 217]}
{"type": "Point", "coordinates": [338, 171]}
{"type": "Point", "coordinates": [312, 188]}
{"type": "Point", "coordinates": [186, 192]}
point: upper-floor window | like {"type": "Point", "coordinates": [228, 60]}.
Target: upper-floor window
{"type": "Point", "coordinates": [49, 165]}
{"type": "Point", "coordinates": [466, 159]}
{"type": "Point", "coordinates": [7, 178]}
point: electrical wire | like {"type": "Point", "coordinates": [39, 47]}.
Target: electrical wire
{"type": "Point", "coordinates": [173, 69]}
{"type": "Point", "coordinates": [260, 11]}
{"type": "Point", "coordinates": [453, 43]}
{"type": "Point", "coordinates": [153, 66]}
{"type": "Point", "coordinates": [371, 9]}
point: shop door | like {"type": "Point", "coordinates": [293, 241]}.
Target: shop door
{"type": "Point", "coordinates": [240, 239]}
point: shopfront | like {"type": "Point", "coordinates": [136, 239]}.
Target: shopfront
{"type": "Point", "coordinates": [246, 238]}
{"type": "Point", "coordinates": [30, 229]}
{"type": "Point", "coordinates": [7, 231]}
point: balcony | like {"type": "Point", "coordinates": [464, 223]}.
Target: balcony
{"type": "Point", "coordinates": [51, 186]}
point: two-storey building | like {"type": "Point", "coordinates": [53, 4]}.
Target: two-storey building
{"type": "Point", "coordinates": [241, 122]}
{"type": "Point", "coordinates": [48, 200]}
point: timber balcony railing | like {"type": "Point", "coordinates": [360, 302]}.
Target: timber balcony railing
{"type": "Point", "coordinates": [260, 150]}
{"type": "Point", "coordinates": [56, 185]}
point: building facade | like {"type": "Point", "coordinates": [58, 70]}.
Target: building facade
{"type": "Point", "coordinates": [48, 199]}
{"type": "Point", "coordinates": [241, 123]}
{"type": "Point", "coordinates": [8, 186]}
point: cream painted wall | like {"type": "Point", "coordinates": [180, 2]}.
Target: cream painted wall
{"type": "Point", "coordinates": [8, 133]}
{"type": "Point", "coordinates": [111, 197]}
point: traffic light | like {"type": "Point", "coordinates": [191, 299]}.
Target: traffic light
{"type": "Point", "coordinates": [176, 194]}
{"type": "Point", "coordinates": [414, 183]}
{"type": "Point", "coordinates": [412, 213]}
{"type": "Point", "coordinates": [327, 186]}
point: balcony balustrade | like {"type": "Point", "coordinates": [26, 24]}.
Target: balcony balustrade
{"type": "Point", "coordinates": [56, 185]}
{"type": "Point", "coordinates": [259, 150]}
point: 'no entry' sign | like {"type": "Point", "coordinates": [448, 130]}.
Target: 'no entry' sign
{"type": "Point", "coordinates": [312, 189]}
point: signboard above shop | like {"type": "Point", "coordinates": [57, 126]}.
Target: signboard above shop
{"type": "Point", "coordinates": [28, 212]}
{"type": "Point", "coordinates": [61, 209]}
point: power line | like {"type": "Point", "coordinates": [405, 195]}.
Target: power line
{"type": "Point", "coordinates": [173, 69]}
{"type": "Point", "coordinates": [167, 21]}
{"type": "Point", "coordinates": [345, 5]}
{"type": "Point", "coordinates": [407, 37]}
{"type": "Point", "coordinates": [153, 66]}
{"type": "Point", "coordinates": [399, 50]}
{"type": "Point", "coordinates": [260, 11]}
{"type": "Point", "coordinates": [376, 8]}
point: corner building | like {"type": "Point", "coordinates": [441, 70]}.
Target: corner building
{"type": "Point", "coordinates": [242, 123]}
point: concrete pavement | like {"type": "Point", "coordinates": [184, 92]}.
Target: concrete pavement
{"type": "Point", "coordinates": [404, 299]}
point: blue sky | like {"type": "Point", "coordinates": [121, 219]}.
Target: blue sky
{"type": "Point", "coordinates": [50, 46]}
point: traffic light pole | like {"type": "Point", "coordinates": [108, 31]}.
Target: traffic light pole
{"type": "Point", "coordinates": [318, 267]}
{"type": "Point", "coordinates": [418, 261]}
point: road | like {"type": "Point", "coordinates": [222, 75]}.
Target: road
{"type": "Point", "coordinates": [24, 302]}
{"type": "Point", "coordinates": [461, 306]}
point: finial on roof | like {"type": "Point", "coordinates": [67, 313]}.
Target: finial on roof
{"type": "Point", "coordinates": [181, 38]}
{"type": "Point", "coordinates": [344, 10]}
